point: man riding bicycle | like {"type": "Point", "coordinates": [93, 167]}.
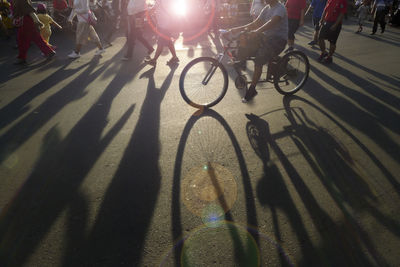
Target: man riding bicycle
{"type": "Point", "coordinates": [269, 31]}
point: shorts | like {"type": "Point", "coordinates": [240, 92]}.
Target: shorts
{"type": "Point", "coordinates": [326, 34]}
{"type": "Point", "coordinates": [315, 22]}
{"type": "Point", "coordinates": [83, 31]}
{"type": "Point", "coordinates": [293, 25]}
{"type": "Point", "coordinates": [269, 48]}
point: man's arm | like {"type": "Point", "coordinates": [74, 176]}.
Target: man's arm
{"type": "Point", "coordinates": [248, 27]}
{"type": "Point", "coordinates": [337, 22]}
{"type": "Point", "coordinates": [275, 20]}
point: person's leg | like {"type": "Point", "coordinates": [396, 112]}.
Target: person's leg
{"type": "Point", "coordinates": [332, 48]}
{"type": "Point", "coordinates": [293, 25]}
{"type": "Point", "coordinates": [78, 48]}
{"type": "Point", "coordinates": [130, 39]}
{"type": "Point", "coordinates": [375, 27]}
{"type": "Point", "coordinates": [172, 49]}
{"type": "Point", "coordinates": [23, 41]}
{"type": "Point", "coordinates": [382, 21]}
{"type": "Point", "coordinates": [41, 43]}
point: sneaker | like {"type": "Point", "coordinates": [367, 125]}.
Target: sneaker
{"type": "Point", "coordinates": [372, 33]}
{"type": "Point", "coordinates": [173, 60]}
{"type": "Point", "coordinates": [74, 55]}
{"type": "Point", "coordinates": [322, 56]}
{"type": "Point", "coordinates": [290, 48]}
{"type": "Point", "coordinates": [151, 61]}
{"type": "Point", "coordinates": [312, 42]}
{"type": "Point", "coordinates": [99, 52]}
{"type": "Point", "coordinates": [20, 61]}
{"type": "Point", "coordinates": [250, 94]}
{"type": "Point", "coordinates": [327, 60]}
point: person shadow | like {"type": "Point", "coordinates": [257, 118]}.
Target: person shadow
{"type": "Point", "coordinates": [123, 220]}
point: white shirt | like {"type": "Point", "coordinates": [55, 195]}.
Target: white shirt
{"type": "Point", "coordinates": [80, 9]}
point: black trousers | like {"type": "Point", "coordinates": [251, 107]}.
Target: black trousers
{"type": "Point", "coordinates": [134, 33]}
{"type": "Point", "coordinates": [379, 18]}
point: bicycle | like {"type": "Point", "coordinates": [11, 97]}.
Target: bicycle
{"type": "Point", "coordinates": [288, 73]}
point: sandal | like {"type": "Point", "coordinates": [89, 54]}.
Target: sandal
{"type": "Point", "coordinates": [173, 60]}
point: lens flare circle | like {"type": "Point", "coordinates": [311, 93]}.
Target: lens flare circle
{"type": "Point", "coordinates": [209, 187]}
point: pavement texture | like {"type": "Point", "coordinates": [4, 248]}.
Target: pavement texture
{"type": "Point", "coordinates": [102, 163]}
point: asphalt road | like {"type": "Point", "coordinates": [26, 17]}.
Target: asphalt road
{"type": "Point", "coordinates": [103, 164]}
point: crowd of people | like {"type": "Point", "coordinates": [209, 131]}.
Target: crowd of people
{"type": "Point", "coordinates": [34, 23]}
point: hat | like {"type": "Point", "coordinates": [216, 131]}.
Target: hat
{"type": "Point", "coordinates": [41, 7]}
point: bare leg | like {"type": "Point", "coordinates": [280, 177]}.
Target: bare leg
{"type": "Point", "coordinates": [332, 48]}
{"type": "Point", "coordinates": [78, 48]}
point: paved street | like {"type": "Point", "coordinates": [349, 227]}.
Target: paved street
{"type": "Point", "coordinates": [102, 163]}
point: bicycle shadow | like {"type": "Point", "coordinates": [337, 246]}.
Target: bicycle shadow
{"type": "Point", "coordinates": [202, 155]}
{"type": "Point", "coordinates": [331, 162]}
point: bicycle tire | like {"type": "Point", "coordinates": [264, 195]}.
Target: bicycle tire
{"type": "Point", "coordinates": [287, 70]}
{"type": "Point", "coordinates": [192, 82]}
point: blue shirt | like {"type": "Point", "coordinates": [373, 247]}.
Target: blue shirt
{"type": "Point", "coordinates": [318, 6]}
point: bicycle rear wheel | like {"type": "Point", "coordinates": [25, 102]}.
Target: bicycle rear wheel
{"type": "Point", "coordinates": [203, 82]}
{"type": "Point", "coordinates": [291, 73]}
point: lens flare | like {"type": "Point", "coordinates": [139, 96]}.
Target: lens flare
{"type": "Point", "coordinates": [179, 8]}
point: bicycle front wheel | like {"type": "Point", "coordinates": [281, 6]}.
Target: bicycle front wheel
{"type": "Point", "coordinates": [291, 73]}
{"type": "Point", "coordinates": [203, 82]}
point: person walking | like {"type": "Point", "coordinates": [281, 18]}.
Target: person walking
{"type": "Point", "coordinates": [331, 24]}
{"type": "Point", "coordinates": [136, 11]}
{"type": "Point", "coordinates": [379, 11]}
{"type": "Point", "coordinates": [318, 7]}
{"type": "Point", "coordinates": [362, 15]}
{"type": "Point", "coordinates": [29, 31]}
{"type": "Point", "coordinates": [45, 18]}
{"type": "Point", "coordinates": [164, 33]}
{"type": "Point", "coordinates": [295, 12]}
{"type": "Point", "coordinates": [83, 29]}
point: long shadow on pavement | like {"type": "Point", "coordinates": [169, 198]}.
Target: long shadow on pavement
{"type": "Point", "coordinates": [343, 243]}
{"type": "Point", "coordinates": [124, 218]}
{"type": "Point", "coordinates": [53, 186]}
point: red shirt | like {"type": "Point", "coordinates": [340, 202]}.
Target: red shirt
{"type": "Point", "coordinates": [294, 7]}
{"type": "Point", "coordinates": [334, 8]}
{"type": "Point", "coordinates": [60, 4]}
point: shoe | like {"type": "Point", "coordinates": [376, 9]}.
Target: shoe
{"type": "Point", "coordinates": [290, 48]}
{"type": "Point", "coordinates": [372, 33]}
{"type": "Point", "coordinates": [327, 60]}
{"type": "Point", "coordinates": [151, 61]}
{"type": "Point", "coordinates": [312, 42]}
{"type": "Point", "coordinates": [250, 94]}
{"type": "Point", "coordinates": [107, 45]}
{"type": "Point", "coordinates": [173, 60]}
{"type": "Point", "coordinates": [20, 61]}
{"type": "Point", "coordinates": [148, 58]}
{"type": "Point", "coordinates": [99, 52]}
{"type": "Point", "coordinates": [74, 55]}
{"type": "Point", "coordinates": [50, 55]}
{"type": "Point", "coordinates": [322, 56]}
{"type": "Point", "coordinates": [126, 58]}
